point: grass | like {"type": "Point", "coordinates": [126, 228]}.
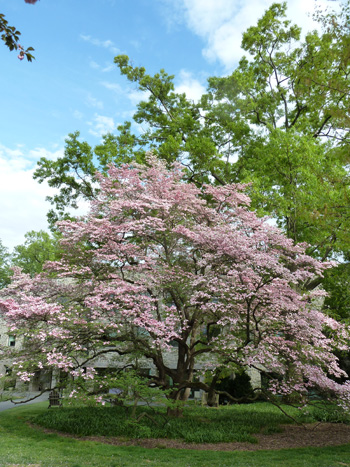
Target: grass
{"type": "Point", "coordinates": [21, 445]}
{"type": "Point", "coordinates": [198, 425]}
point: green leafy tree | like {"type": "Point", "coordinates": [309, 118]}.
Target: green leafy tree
{"type": "Point", "coordinates": [74, 174]}
{"type": "Point", "coordinates": [337, 284]}
{"type": "Point", "coordinates": [280, 121]}
{"type": "Point", "coordinates": [175, 128]}
{"type": "Point", "coordinates": [284, 115]}
{"type": "Point", "coordinates": [5, 272]}
{"type": "Point", "coordinates": [38, 248]}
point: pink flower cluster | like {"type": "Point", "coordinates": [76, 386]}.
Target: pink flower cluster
{"type": "Point", "coordinates": [156, 265]}
{"type": "Point", "coordinates": [21, 54]}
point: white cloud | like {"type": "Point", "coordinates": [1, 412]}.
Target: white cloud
{"type": "Point", "coordinates": [94, 65]}
{"type": "Point", "coordinates": [22, 199]}
{"type": "Point", "coordinates": [127, 115]}
{"type": "Point", "coordinates": [104, 69]}
{"type": "Point", "coordinates": [190, 86]}
{"type": "Point", "coordinates": [109, 67]}
{"type": "Point", "coordinates": [101, 125]}
{"type": "Point", "coordinates": [135, 96]}
{"type": "Point", "coordinates": [136, 44]}
{"type": "Point", "coordinates": [205, 16]}
{"type": "Point", "coordinates": [107, 44]}
{"type": "Point", "coordinates": [115, 87]}
{"type": "Point", "coordinates": [220, 23]}
{"type": "Point", "coordinates": [91, 101]}
{"type": "Point", "coordinates": [78, 115]}
{"type": "Point", "coordinates": [37, 153]}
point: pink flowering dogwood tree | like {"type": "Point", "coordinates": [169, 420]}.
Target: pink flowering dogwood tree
{"type": "Point", "coordinates": [156, 266]}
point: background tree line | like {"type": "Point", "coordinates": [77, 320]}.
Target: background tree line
{"type": "Point", "coordinates": [38, 248]}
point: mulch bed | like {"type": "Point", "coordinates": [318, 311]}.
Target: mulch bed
{"type": "Point", "coordinates": [292, 436]}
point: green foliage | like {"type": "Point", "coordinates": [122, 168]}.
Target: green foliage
{"type": "Point", "coordinates": [280, 121]}
{"type": "Point", "coordinates": [337, 284]}
{"type": "Point", "coordinates": [38, 248]}
{"type": "Point", "coordinates": [337, 304]}
{"type": "Point", "coordinates": [10, 36]}
{"type": "Point", "coordinates": [238, 387]}
{"type": "Point", "coordinates": [330, 414]}
{"type": "Point", "coordinates": [129, 387]}
{"type": "Point", "coordinates": [198, 425]}
{"type": "Point", "coordinates": [285, 114]}
{"type": "Point", "coordinates": [175, 129]}
{"type": "Point", "coordinates": [75, 173]}
{"type": "Point", "coordinates": [5, 272]}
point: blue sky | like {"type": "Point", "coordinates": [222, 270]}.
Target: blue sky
{"type": "Point", "coordinates": [74, 85]}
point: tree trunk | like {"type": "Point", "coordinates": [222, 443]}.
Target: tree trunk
{"type": "Point", "coordinates": [178, 396]}
{"type": "Point", "coordinates": [212, 399]}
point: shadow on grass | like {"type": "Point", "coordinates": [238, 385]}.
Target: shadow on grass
{"type": "Point", "coordinates": [23, 445]}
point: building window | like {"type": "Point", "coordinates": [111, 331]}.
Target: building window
{"type": "Point", "coordinates": [12, 341]}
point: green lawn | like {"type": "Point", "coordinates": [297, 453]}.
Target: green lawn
{"type": "Point", "coordinates": [198, 425]}
{"type": "Point", "coordinates": [231, 423]}
{"type": "Point", "coordinates": [21, 445]}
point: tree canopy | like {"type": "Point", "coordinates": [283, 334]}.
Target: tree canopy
{"type": "Point", "coordinates": [38, 248]}
{"type": "Point", "coordinates": [292, 99]}
{"type": "Point", "coordinates": [157, 265]}
{"type": "Point", "coordinates": [280, 121]}
{"type": "Point", "coordinates": [4, 266]}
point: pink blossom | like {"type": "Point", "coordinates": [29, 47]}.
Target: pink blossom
{"type": "Point", "coordinates": [154, 264]}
